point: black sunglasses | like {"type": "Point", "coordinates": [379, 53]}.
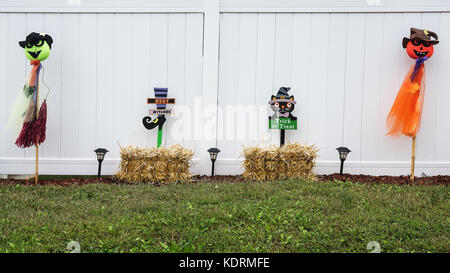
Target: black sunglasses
{"type": "Point", "coordinates": [417, 42]}
{"type": "Point", "coordinates": [35, 42]}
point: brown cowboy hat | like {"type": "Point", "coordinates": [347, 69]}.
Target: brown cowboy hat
{"type": "Point", "coordinates": [421, 34]}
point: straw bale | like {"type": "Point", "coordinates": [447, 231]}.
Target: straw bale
{"type": "Point", "coordinates": [161, 165]}
{"type": "Point", "coordinates": [290, 161]}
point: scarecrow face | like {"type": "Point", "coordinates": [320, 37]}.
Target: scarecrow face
{"type": "Point", "coordinates": [417, 48]}
{"type": "Point", "coordinates": [39, 51]}
{"type": "Point", "coordinates": [37, 46]}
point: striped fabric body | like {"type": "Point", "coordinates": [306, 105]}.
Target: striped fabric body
{"type": "Point", "coordinates": [160, 93]}
{"type": "Point", "coordinates": [30, 115]}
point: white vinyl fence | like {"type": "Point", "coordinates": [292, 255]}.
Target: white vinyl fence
{"type": "Point", "coordinates": [343, 61]}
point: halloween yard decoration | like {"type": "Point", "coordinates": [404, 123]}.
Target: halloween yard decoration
{"type": "Point", "coordinates": [26, 113]}
{"type": "Point", "coordinates": [405, 115]}
{"type": "Point", "coordinates": [290, 161]}
{"type": "Point", "coordinates": [160, 100]}
{"type": "Point", "coordinates": [282, 105]}
{"type": "Point", "coordinates": [158, 165]}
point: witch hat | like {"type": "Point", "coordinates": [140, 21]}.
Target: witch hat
{"type": "Point", "coordinates": [283, 92]}
{"type": "Point", "coordinates": [282, 96]}
{"type": "Point", "coordinates": [422, 34]}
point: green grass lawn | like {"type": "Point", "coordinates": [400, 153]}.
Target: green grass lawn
{"type": "Point", "coordinates": [285, 216]}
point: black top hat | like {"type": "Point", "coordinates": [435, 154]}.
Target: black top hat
{"type": "Point", "coordinates": [34, 38]}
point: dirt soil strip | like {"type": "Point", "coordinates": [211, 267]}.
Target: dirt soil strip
{"type": "Point", "coordinates": [366, 179]}
{"type": "Point", "coordinates": [386, 179]}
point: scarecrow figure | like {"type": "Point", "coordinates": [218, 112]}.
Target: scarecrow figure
{"type": "Point", "coordinates": [406, 112]}
{"type": "Point", "coordinates": [26, 112]}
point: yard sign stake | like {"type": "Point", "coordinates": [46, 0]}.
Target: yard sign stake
{"type": "Point", "coordinates": [413, 157]}
{"type": "Point", "coordinates": [36, 176]}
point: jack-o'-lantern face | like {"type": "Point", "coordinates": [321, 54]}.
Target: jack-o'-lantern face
{"type": "Point", "coordinates": [417, 48]}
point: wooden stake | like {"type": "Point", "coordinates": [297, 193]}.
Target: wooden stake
{"type": "Point", "coordinates": [413, 157]}
{"type": "Point", "coordinates": [36, 177]}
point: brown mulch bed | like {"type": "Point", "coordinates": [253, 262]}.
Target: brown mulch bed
{"type": "Point", "coordinates": [80, 181]}
{"type": "Point", "coordinates": [366, 179]}
{"type": "Point", "coordinates": [387, 179]}
{"type": "Point", "coordinates": [219, 178]}
{"type": "Point", "coordinates": [76, 181]}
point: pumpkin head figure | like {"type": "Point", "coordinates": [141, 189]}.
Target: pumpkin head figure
{"type": "Point", "coordinates": [406, 112]}
{"type": "Point", "coordinates": [420, 44]}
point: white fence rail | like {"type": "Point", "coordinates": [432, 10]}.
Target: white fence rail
{"type": "Point", "coordinates": [344, 69]}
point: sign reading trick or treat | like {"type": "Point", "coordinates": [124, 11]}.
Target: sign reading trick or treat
{"type": "Point", "coordinates": [161, 100]}
{"type": "Point", "coordinates": [282, 106]}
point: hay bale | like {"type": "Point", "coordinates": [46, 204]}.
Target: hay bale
{"type": "Point", "coordinates": [161, 165]}
{"type": "Point", "coordinates": [277, 163]}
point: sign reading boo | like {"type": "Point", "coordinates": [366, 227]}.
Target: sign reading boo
{"type": "Point", "coordinates": [282, 104]}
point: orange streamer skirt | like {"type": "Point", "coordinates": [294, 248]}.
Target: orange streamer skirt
{"type": "Point", "coordinates": [406, 112]}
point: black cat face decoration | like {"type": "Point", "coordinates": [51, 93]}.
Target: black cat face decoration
{"type": "Point", "coordinates": [282, 105]}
